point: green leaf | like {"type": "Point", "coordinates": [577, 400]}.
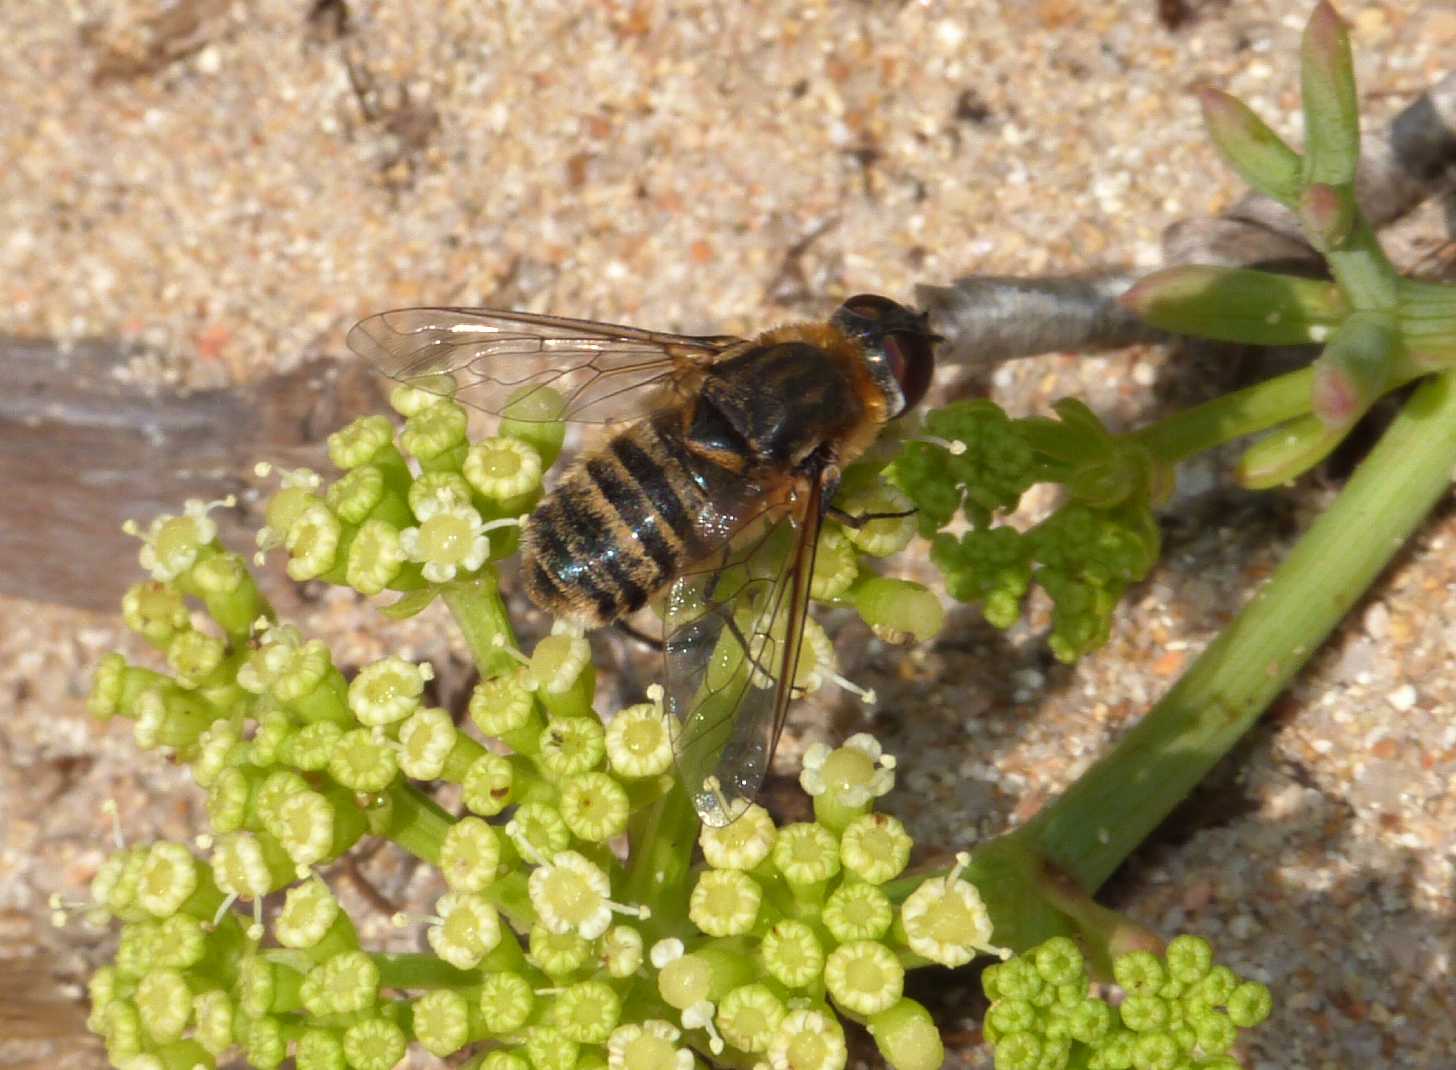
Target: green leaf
{"type": "Point", "coordinates": [1238, 305]}
{"type": "Point", "coordinates": [1251, 148]}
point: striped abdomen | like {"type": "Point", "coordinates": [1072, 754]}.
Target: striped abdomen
{"type": "Point", "coordinates": [628, 518]}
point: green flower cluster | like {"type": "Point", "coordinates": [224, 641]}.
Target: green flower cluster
{"type": "Point", "coordinates": [551, 946]}
{"type": "Point", "coordinates": [1179, 1012]}
{"type": "Point", "coordinates": [979, 462]}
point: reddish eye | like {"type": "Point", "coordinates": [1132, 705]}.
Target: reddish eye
{"type": "Point", "coordinates": [912, 362]}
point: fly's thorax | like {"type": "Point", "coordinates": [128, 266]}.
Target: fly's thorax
{"type": "Point", "coordinates": [795, 391]}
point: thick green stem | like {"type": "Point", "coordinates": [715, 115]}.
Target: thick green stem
{"type": "Point", "coordinates": [1244, 412]}
{"type": "Point", "coordinates": [662, 839]}
{"type": "Point", "coordinates": [418, 970]}
{"type": "Point", "coordinates": [414, 821]}
{"type": "Point", "coordinates": [1091, 829]}
{"type": "Point", "coordinates": [481, 614]}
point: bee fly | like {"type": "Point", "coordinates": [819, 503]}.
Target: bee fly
{"type": "Point", "coordinates": [714, 492]}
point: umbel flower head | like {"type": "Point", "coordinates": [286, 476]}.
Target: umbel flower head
{"type": "Point", "coordinates": [576, 928]}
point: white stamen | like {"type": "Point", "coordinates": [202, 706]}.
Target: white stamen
{"type": "Point", "coordinates": [864, 694]}
{"type": "Point", "coordinates": [223, 908]}
{"type": "Point", "coordinates": [953, 446]}
{"type": "Point", "coordinates": [110, 809]}
{"type": "Point", "coordinates": [499, 642]}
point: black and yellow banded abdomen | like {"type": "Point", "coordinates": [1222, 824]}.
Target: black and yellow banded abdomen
{"type": "Point", "coordinates": [628, 519]}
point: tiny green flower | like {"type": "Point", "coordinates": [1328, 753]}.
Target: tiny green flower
{"type": "Point", "coordinates": [1250, 1004]}
{"type": "Point", "coordinates": [791, 954]}
{"type": "Point", "coordinates": [750, 1016]}
{"type": "Point", "coordinates": [136, 952]}
{"type": "Point", "coordinates": [649, 1045]}
{"type": "Point", "coordinates": [469, 929]}
{"type": "Point", "coordinates": [264, 1044]}
{"type": "Point", "coordinates": [342, 984]}
{"type": "Point", "coordinates": [165, 1005]}
{"type": "Point", "coordinates": [742, 844]}
{"type": "Point", "coordinates": [156, 611]}
{"type": "Point", "coordinates": [571, 745]}
{"type": "Point", "coordinates": [595, 807]}
{"type": "Point", "coordinates": [170, 717]}
{"type": "Point", "coordinates": [172, 544]}
{"type": "Point", "coordinates": [250, 865]}
{"type": "Point", "coordinates": [309, 911]}
{"type": "Point", "coordinates": [858, 911]}
{"type": "Point", "coordinates": [446, 486]}
{"type": "Point", "coordinates": [123, 1031]}
{"type": "Point", "coordinates": [621, 950]}
{"type": "Point", "coordinates": [194, 657]}
{"type": "Point", "coordinates": [638, 742]}
{"type": "Point", "coordinates": [434, 431]}
{"type": "Point", "coordinates": [587, 1012]}
{"type": "Point", "coordinates": [864, 977]}
{"type": "Point", "coordinates": [295, 495]}
{"type": "Point", "coordinates": [312, 542]}
{"type": "Point", "coordinates": [375, 557]}
{"type": "Point", "coordinates": [168, 878]}
{"type": "Point", "coordinates": [361, 441]}
{"type": "Point", "coordinates": [320, 1049]}
{"type": "Point", "coordinates": [557, 954]}
{"type": "Point", "coordinates": [310, 748]}
{"type": "Point", "coordinates": [570, 894]}
{"type": "Point", "coordinates": [548, 1048]}
{"type": "Point", "coordinates": [285, 666]}
{"type": "Point", "coordinates": [853, 775]}
{"type": "Point", "coordinates": [836, 566]}
{"type": "Point", "coordinates": [538, 831]}
{"type": "Point", "coordinates": [213, 1014]}
{"type": "Point", "coordinates": [374, 1044]}
{"type": "Point", "coordinates": [487, 788]}
{"type": "Point", "coordinates": [506, 1000]}
{"type": "Point", "coordinates": [181, 942]}
{"type": "Point", "coordinates": [503, 469]}
{"type": "Point", "coordinates": [724, 902]}
{"type": "Point", "coordinates": [356, 494]}
{"type": "Point", "coordinates": [363, 761]}
{"type": "Point", "coordinates": [470, 856]}
{"type": "Point", "coordinates": [117, 880]}
{"type": "Point", "coordinates": [101, 989]}
{"type": "Point", "coordinates": [1189, 958]}
{"type": "Point", "coordinates": [1140, 973]}
{"type": "Point", "coordinates": [875, 848]}
{"type": "Point", "coordinates": [214, 751]}
{"type": "Point", "coordinates": [426, 739]}
{"type": "Point", "coordinates": [946, 921]}
{"type": "Point", "coordinates": [387, 690]}
{"type": "Point", "coordinates": [502, 705]}
{"type": "Point", "coordinates": [806, 853]}
{"type": "Point", "coordinates": [808, 1040]}
{"type": "Point", "coordinates": [441, 1022]}
{"type": "Point", "coordinates": [558, 661]}
{"type": "Point", "coordinates": [266, 987]}
{"type": "Point", "coordinates": [886, 535]}
{"type": "Point", "coordinates": [451, 538]}
{"type": "Point", "coordinates": [1217, 986]}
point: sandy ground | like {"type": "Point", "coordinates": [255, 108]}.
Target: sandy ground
{"type": "Point", "coordinates": [229, 186]}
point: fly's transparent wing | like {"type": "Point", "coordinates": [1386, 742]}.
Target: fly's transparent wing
{"type": "Point", "coordinates": [732, 653]}
{"type": "Point", "coordinates": [492, 358]}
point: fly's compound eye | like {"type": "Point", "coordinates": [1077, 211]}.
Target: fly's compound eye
{"type": "Point", "coordinates": [912, 361]}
